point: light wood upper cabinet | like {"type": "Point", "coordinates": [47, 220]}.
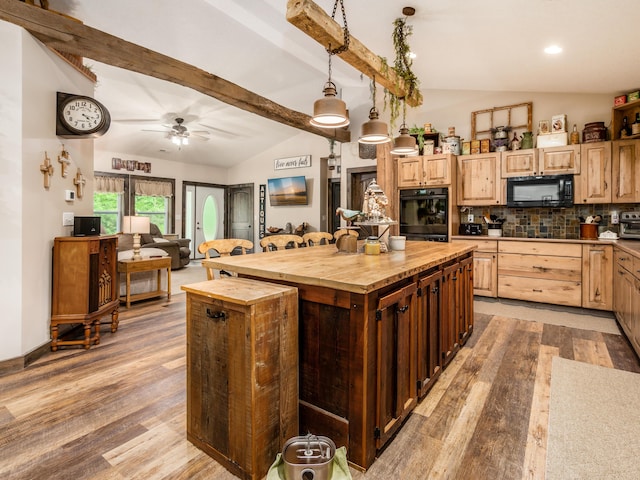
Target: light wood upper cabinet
{"type": "Point", "coordinates": [593, 185]}
{"type": "Point", "coordinates": [625, 155]}
{"type": "Point", "coordinates": [428, 170]}
{"type": "Point", "coordinates": [479, 181]}
{"type": "Point", "coordinates": [559, 160]}
{"type": "Point", "coordinates": [520, 163]}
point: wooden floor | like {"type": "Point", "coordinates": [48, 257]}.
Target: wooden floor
{"type": "Point", "coordinates": [117, 411]}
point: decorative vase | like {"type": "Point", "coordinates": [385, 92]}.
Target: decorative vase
{"type": "Point", "coordinates": [527, 140]}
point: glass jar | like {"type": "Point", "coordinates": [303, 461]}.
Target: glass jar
{"type": "Point", "coordinates": [372, 246]}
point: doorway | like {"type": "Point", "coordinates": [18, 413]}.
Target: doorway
{"type": "Point", "coordinates": [240, 211]}
{"type": "Point", "coordinates": [334, 203]}
{"type": "Point", "coordinates": [204, 212]}
{"type": "Point", "coordinates": [358, 181]}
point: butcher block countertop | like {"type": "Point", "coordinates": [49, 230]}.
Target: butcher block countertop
{"type": "Point", "coordinates": [629, 246]}
{"type": "Point", "coordinates": [324, 266]}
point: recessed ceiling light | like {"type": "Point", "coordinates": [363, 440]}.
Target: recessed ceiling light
{"type": "Point", "coordinates": [553, 50]}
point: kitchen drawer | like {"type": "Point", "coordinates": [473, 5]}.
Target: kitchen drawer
{"type": "Point", "coordinates": [536, 267]}
{"type": "Point", "coordinates": [484, 245]}
{"type": "Point", "coordinates": [541, 248]}
{"type": "Point", "coordinates": [556, 292]}
{"type": "Point", "coordinates": [624, 259]}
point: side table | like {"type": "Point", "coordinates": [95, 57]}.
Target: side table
{"type": "Point", "coordinates": [146, 264]}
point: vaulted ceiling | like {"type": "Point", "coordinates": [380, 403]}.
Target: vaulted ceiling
{"type": "Point", "coordinates": [460, 45]}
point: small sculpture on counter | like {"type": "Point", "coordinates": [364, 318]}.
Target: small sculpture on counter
{"type": "Point", "coordinates": [349, 216]}
{"type": "Point", "coordinates": [375, 203]}
{"type": "Point", "coordinates": [274, 229]}
{"type": "Point", "coordinates": [301, 229]}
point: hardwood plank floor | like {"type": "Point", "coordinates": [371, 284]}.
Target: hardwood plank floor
{"type": "Point", "coordinates": [117, 411]}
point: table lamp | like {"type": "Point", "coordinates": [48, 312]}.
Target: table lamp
{"type": "Point", "coordinates": [136, 225]}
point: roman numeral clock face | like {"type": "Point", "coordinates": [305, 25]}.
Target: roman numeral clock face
{"type": "Point", "coordinates": [81, 116]}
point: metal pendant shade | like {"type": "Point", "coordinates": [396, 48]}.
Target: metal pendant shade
{"type": "Point", "coordinates": [404, 144]}
{"type": "Point", "coordinates": [375, 130]}
{"type": "Point", "coordinates": [330, 111]}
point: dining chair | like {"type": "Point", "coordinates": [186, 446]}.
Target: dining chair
{"type": "Point", "coordinates": [313, 239]}
{"type": "Point", "coordinates": [280, 242]}
{"type": "Point", "coordinates": [345, 231]}
{"type": "Point", "coordinates": [224, 247]}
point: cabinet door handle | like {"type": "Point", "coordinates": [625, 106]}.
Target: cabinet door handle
{"type": "Point", "coordinates": [221, 316]}
{"type": "Point", "coordinates": [537, 290]}
{"type": "Point", "coordinates": [403, 309]}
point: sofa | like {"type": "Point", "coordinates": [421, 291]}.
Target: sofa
{"type": "Point", "coordinates": [178, 249]}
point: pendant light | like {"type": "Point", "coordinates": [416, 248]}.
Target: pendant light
{"type": "Point", "coordinates": [375, 130]}
{"type": "Point", "coordinates": [404, 144]}
{"type": "Point", "coordinates": [330, 111]}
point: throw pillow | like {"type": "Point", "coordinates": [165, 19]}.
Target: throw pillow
{"type": "Point", "coordinates": [160, 240]}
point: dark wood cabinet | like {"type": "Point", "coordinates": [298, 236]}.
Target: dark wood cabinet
{"type": "Point", "coordinates": [242, 371]}
{"type": "Point", "coordinates": [449, 313]}
{"type": "Point", "coordinates": [84, 287]}
{"type": "Point", "coordinates": [428, 331]}
{"type": "Point", "coordinates": [396, 360]}
{"type": "Point", "coordinates": [465, 314]}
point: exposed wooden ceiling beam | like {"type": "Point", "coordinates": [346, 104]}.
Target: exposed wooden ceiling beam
{"type": "Point", "coordinates": [68, 35]}
{"type": "Point", "coordinates": [312, 20]}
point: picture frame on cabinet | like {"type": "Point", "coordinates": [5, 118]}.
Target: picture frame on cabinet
{"type": "Point", "coordinates": [543, 127]}
{"type": "Point", "coordinates": [559, 123]}
{"type": "Point", "coordinates": [428, 147]}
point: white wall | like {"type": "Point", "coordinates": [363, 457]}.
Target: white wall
{"type": "Point", "coordinates": [181, 172]}
{"type": "Point", "coordinates": [33, 215]}
{"type": "Point", "coordinates": [258, 169]}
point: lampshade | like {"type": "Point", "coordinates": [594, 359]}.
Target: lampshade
{"type": "Point", "coordinates": [375, 130]}
{"type": "Point", "coordinates": [404, 144]}
{"type": "Point", "coordinates": [330, 111]}
{"type": "Point", "coordinates": [136, 224]}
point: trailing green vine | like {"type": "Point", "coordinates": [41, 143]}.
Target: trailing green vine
{"type": "Point", "coordinates": [402, 67]}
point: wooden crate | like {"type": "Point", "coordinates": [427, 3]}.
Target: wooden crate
{"type": "Point", "coordinates": [242, 371]}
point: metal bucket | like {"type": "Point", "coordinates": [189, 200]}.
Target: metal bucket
{"type": "Point", "coordinates": [308, 458]}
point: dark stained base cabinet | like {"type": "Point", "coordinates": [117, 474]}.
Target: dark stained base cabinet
{"type": "Point", "coordinates": [366, 360]}
{"type": "Point", "coordinates": [242, 371]}
{"type": "Point", "coordinates": [85, 286]}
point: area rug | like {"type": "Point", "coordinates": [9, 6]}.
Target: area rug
{"type": "Point", "coordinates": [594, 422]}
{"type": "Point", "coordinates": [572, 317]}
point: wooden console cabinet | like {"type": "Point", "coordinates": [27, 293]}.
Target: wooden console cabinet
{"type": "Point", "coordinates": [85, 286]}
{"type": "Point", "coordinates": [242, 371]}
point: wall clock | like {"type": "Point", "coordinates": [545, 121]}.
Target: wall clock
{"type": "Point", "coordinates": [79, 116]}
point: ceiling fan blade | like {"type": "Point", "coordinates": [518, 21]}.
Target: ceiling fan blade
{"type": "Point", "coordinates": [149, 130]}
{"type": "Point", "coordinates": [139, 120]}
{"type": "Point", "coordinates": [200, 132]}
{"type": "Point", "coordinates": [199, 137]}
{"type": "Point", "coordinates": [220, 130]}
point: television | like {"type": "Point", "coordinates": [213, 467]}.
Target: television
{"type": "Point", "coordinates": [86, 226]}
{"type": "Point", "coordinates": [287, 191]}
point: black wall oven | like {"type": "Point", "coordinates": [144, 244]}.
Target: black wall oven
{"type": "Point", "coordinates": [423, 214]}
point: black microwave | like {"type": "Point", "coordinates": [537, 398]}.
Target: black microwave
{"type": "Point", "coordinates": [545, 191]}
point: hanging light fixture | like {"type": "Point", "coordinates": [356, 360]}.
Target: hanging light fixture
{"type": "Point", "coordinates": [404, 144]}
{"type": "Point", "coordinates": [330, 111]}
{"type": "Point", "coordinates": [375, 130]}
{"type": "Point", "coordinates": [179, 133]}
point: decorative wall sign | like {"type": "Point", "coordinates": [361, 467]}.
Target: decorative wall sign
{"type": "Point", "coordinates": [292, 162]}
{"type": "Point", "coordinates": [131, 165]}
{"type": "Point", "coordinates": [262, 220]}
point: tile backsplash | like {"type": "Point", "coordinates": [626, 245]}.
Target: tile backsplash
{"type": "Point", "coordinates": [561, 223]}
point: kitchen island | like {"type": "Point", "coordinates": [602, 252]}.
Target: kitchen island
{"type": "Point", "coordinates": [375, 331]}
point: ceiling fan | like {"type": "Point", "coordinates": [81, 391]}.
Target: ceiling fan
{"type": "Point", "coordinates": [180, 134]}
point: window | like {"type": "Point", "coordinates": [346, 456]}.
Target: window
{"type": "Point", "coordinates": [116, 195]}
